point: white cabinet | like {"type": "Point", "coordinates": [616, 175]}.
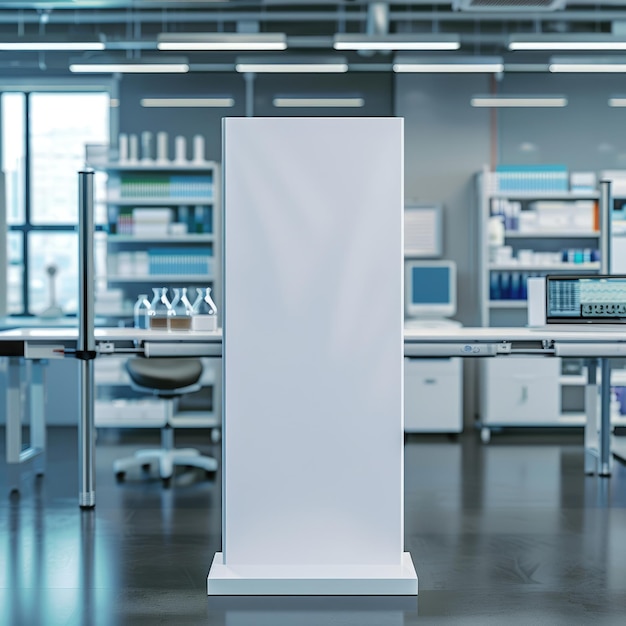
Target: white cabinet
{"type": "Point", "coordinates": [433, 395]}
{"type": "Point", "coordinates": [520, 391]}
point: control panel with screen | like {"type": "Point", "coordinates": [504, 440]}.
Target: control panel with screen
{"type": "Point", "coordinates": [430, 289]}
{"type": "Point", "coordinates": [586, 299]}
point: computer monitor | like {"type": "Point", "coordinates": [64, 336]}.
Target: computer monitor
{"type": "Point", "coordinates": [429, 289]}
{"type": "Point", "coordinates": [598, 299]}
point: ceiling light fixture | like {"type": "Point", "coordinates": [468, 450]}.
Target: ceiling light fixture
{"type": "Point", "coordinates": [287, 101]}
{"type": "Point", "coordinates": [397, 42]}
{"type": "Point", "coordinates": [450, 64]}
{"type": "Point", "coordinates": [578, 41]}
{"type": "Point", "coordinates": [292, 65]}
{"type": "Point", "coordinates": [518, 101]}
{"type": "Point", "coordinates": [142, 65]}
{"type": "Point", "coordinates": [187, 102]}
{"type": "Point", "coordinates": [588, 64]}
{"type": "Point", "coordinates": [51, 43]}
{"type": "Point", "coordinates": [617, 101]}
{"type": "Point", "coordinates": [222, 41]}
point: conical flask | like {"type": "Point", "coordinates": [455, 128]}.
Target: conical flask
{"type": "Point", "coordinates": [204, 311]}
{"type": "Point", "coordinates": [180, 318]}
{"type": "Point", "coordinates": [159, 309]}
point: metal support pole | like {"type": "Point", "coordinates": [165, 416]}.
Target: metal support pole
{"type": "Point", "coordinates": [592, 445]}
{"type": "Point", "coordinates": [37, 410]}
{"type": "Point", "coordinates": [249, 80]}
{"type": "Point", "coordinates": [605, 419]}
{"type": "Point", "coordinates": [606, 202]}
{"type": "Point", "coordinates": [86, 346]}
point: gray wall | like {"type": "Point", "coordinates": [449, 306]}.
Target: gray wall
{"type": "Point", "coordinates": [585, 135]}
{"type": "Point", "coordinates": [446, 143]}
{"type": "Point", "coordinates": [376, 89]}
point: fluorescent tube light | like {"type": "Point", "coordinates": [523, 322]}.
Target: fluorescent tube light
{"type": "Point", "coordinates": [187, 102]}
{"type": "Point", "coordinates": [50, 43]}
{"type": "Point", "coordinates": [317, 102]}
{"type": "Point", "coordinates": [144, 65]}
{"type": "Point", "coordinates": [396, 42]}
{"type": "Point", "coordinates": [222, 41]}
{"type": "Point", "coordinates": [293, 65]}
{"type": "Point", "coordinates": [581, 41]}
{"type": "Point", "coordinates": [518, 101]}
{"type": "Point", "coordinates": [448, 65]}
{"type": "Point", "coordinates": [617, 101]}
{"type": "Point", "coordinates": [587, 65]}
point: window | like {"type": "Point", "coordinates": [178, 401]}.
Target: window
{"type": "Point", "coordinates": [43, 149]}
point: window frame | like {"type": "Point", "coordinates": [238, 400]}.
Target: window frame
{"type": "Point", "coordinates": [28, 88]}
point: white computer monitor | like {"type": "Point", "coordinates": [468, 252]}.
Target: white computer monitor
{"type": "Point", "coordinates": [429, 289]}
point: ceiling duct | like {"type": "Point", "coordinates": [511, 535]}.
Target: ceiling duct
{"type": "Point", "coordinates": [378, 18]}
{"type": "Point", "coordinates": [495, 6]}
{"type": "Point", "coordinates": [377, 23]}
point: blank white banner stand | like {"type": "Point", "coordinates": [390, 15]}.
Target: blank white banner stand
{"type": "Point", "coordinates": [313, 359]}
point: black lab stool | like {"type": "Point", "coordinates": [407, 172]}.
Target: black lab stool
{"type": "Point", "coordinates": [168, 379]}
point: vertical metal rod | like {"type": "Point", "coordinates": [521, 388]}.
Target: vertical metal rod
{"type": "Point", "coordinates": [606, 203]}
{"type": "Point", "coordinates": [592, 445]}
{"type": "Point", "coordinates": [86, 346]}
{"type": "Point", "coordinates": [249, 80]}
{"type": "Point", "coordinates": [37, 417]}
{"type": "Point", "coordinates": [14, 421]}
{"type": "Point", "coordinates": [604, 468]}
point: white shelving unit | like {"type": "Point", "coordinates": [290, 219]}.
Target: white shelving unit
{"type": "Point", "coordinates": [143, 251]}
{"type": "Point", "coordinates": [137, 249]}
{"type": "Point", "coordinates": [511, 311]}
{"type": "Point", "coordinates": [529, 391]}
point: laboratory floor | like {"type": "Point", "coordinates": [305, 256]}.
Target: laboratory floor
{"type": "Point", "coordinates": [508, 533]}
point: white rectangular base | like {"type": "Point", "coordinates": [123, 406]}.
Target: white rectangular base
{"type": "Point", "coordinates": [318, 580]}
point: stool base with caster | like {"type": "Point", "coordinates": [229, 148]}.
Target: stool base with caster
{"type": "Point", "coordinates": [166, 378]}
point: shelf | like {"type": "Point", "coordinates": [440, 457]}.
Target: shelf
{"type": "Point", "coordinates": [565, 419]}
{"type": "Point", "coordinates": [196, 419]}
{"type": "Point", "coordinates": [508, 304]}
{"type": "Point", "coordinates": [150, 202]}
{"type": "Point", "coordinates": [573, 380]}
{"type": "Point", "coordinates": [513, 234]}
{"type": "Point", "coordinates": [618, 378]}
{"type": "Point", "coordinates": [545, 195]}
{"type": "Point", "coordinates": [161, 278]}
{"type": "Point", "coordinates": [199, 238]}
{"type": "Point", "coordinates": [159, 167]}
{"type": "Point", "coordinates": [555, 267]}
{"type": "Point", "coordinates": [571, 419]}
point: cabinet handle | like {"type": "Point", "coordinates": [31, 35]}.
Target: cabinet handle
{"type": "Point", "coordinates": [524, 393]}
{"type": "Point", "coordinates": [430, 381]}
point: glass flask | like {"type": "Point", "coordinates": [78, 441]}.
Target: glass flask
{"type": "Point", "coordinates": [141, 312]}
{"type": "Point", "coordinates": [204, 311]}
{"type": "Point", "coordinates": [160, 308]}
{"type": "Point", "coordinates": [188, 304]}
{"type": "Point", "coordinates": [181, 318]}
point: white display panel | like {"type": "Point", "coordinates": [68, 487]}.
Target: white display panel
{"type": "Point", "coordinates": [313, 342]}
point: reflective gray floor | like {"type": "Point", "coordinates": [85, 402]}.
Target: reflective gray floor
{"type": "Point", "coordinates": [509, 533]}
